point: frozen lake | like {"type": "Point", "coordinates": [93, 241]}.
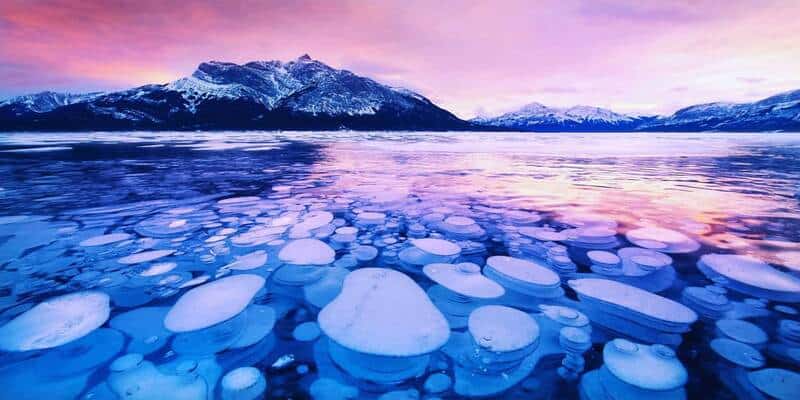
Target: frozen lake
{"type": "Point", "coordinates": [405, 265]}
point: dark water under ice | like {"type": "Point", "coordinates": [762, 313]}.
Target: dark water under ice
{"type": "Point", "coordinates": [207, 199]}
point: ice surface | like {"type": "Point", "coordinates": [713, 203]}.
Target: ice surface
{"type": "Point", "coordinates": [213, 303]}
{"type": "Point", "coordinates": [307, 252]}
{"type": "Point", "coordinates": [384, 312]}
{"type": "Point", "coordinates": [56, 321]}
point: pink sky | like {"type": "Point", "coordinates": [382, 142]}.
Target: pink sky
{"type": "Point", "coordinates": [631, 56]}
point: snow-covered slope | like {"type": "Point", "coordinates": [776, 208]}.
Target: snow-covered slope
{"type": "Point", "coordinates": [45, 101]}
{"type": "Point", "coordinates": [299, 94]}
{"type": "Point", "coordinates": [538, 117]}
{"type": "Point", "coordinates": [779, 112]}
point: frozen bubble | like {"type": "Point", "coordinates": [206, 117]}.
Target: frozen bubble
{"type": "Point", "coordinates": [437, 383]}
{"type": "Point", "coordinates": [213, 303]}
{"type": "Point", "coordinates": [662, 239]}
{"type": "Point", "coordinates": [502, 329]}
{"type": "Point", "coordinates": [565, 316]}
{"type": "Point", "coordinates": [306, 332]}
{"type": "Point", "coordinates": [522, 217]}
{"type": "Point", "coordinates": [603, 257]}
{"type": "Point", "coordinates": [647, 367]}
{"type": "Point", "coordinates": [582, 219]}
{"type": "Point", "coordinates": [314, 220]}
{"type": "Point", "coordinates": [260, 321]}
{"type": "Point", "coordinates": [249, 261]}
{"type": "Point", "coordinates": [145, 327]}
{"type": "Point", "coordinates": [56, 321]}
{"type": "Point", "coordinates": [738, 353]}
{"type": "Point", "coordinates": [777, 383]}
{"type": "Point", "coordinates": [84, 354]}
{"type": "Point", "coordinates": [105, 239]}
{"type": "Point", "coordinates": [637, 262]}
{"type": "Point", "coordinates": [145, 256]}
{"type": "Point", "coordinates": [384, 312]}
{"type": "Point", "coordinates": [742, 331]}
{"type": "Point", "coordinates": [437, 247]}
{"type": "Point", "coordinates": [408, 394]}
{"type": "Point", "coordinates": [465, 279]}
{"type": "Point", "coordinates": [199, 280]}
{"type": "Point", "coordinates": [307, 252]}
{"type": "Point", "coordinates": [239, 200]}
{"type": "Point", "coordinates": [370, 218]}
{"type": "Point", "coordinates": [520, 272]}
{"type": "Point", "coordinates": [324, 290]}
{"type": "Point", "coordinates": [158, 269]}
{"type": "Point", "coordinates": [459, 221]}
{"type": "Point", "coordinates": [365, 253]}
{"type": "Point", "coordinates": [634, 300]}
{"type": "Point", "coordinates": [329, 389]}
{"type": "Point", "coordinates": [751, 276]}
{"type": "Point", "coordinates": [543, 234]}
{"type": "Point", "coordinates": [164, 226]}
{"type": "Point", "coordinates": [244, 383]}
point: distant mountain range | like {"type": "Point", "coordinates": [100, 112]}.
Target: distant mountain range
{"type": "Point", "coordinates": [306, 94]}
{"type": "Point", "coordinates": [776, 113]}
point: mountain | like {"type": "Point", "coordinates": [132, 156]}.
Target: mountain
{"type": "Point", "coordinates": [300, 94]}
{"type": "Point", "coordinates": [310, 95]}
{"type": "Point", "coordinates": [43, 102]}
{"type": "Point", "coordinates": [538, 117]}
{"type": "Point", "coordinates": [777, 113]}
{"type": "Point", "coordinates": [780, 112]}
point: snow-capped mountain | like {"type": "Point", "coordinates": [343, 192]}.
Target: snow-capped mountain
{"type": "Point", "coordinates": [779, 112]}
{"type": "Point", "coordinates": [538, 117]}
{"type": "Point", "coordinates": [44, 101]}
{"type": "Point", "coordinates": [776, 113]}
{"type": "Point", "coordinates": [300, 94]}
{"type": "Point", "coordinates": [308, 94]}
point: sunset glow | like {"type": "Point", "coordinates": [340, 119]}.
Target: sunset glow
{"type": "Point", "coordinates": [468, 56]}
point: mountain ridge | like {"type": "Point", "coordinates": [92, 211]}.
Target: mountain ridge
{"type": "Point", "coordinates": [299, 94]}
{"type": "Point", "coordinates": [777, 112]}
{"type": "Point", "coordinates": [307, 94]}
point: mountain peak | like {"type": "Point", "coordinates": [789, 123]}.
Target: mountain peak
{"type": "Point", "coordinates": [305, 57]}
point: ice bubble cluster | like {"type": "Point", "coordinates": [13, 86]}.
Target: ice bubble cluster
{"type": "Point", "coordinates": [306, 290]}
